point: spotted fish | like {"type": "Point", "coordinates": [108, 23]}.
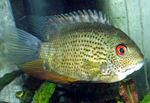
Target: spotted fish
{"type": "Point", "coordinates": [80, 46]}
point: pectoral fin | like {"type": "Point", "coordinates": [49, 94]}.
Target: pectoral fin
{"type": "Point", "coordinates": [36, 69]}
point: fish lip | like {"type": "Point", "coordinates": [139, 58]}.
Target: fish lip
{"type": "Point", "coordinates": [124, 74]}
{"type": "Point", "coordinates": [139, 65]}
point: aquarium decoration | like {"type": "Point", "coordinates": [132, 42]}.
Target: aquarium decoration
{"type": "Point", "coordinates": [127, 91]}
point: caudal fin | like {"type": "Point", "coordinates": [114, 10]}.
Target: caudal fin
{"type": "Point", "coordinates": [19, 47]}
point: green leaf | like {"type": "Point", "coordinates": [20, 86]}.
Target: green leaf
{"type": "Point", "coordinates": [44, 93]}
{"type": "Point", "coordinates": [146, 99]}
{"type": "Point", "coordinates": [9, 77]}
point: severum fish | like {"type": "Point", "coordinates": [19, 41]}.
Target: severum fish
{"type": "Point", "coordinates": [80, 46]}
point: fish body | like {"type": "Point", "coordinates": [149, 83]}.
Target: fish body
{"type": "Point", "coordinates": [83, 46]}
{"type": "Point", "coordinates": [87, 51]}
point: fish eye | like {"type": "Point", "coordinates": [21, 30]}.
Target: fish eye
{"type": "Point", "coordinates": [121, 49]}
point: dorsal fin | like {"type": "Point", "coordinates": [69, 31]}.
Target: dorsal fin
{"type": "Point", "coordinates": [44, 26]}
{"type": "Point", "coordinates": [89, 16]}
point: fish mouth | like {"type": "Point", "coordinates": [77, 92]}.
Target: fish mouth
{"type": "Point", "coordinates": [130, 70]}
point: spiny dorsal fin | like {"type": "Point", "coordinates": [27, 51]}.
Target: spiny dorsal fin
{"type": "Point", "coordinates": [44, 26]}
{"type": "Point", "coordinates": [80, 16]}
{"type": "Point", "coordinates": [57, 22]}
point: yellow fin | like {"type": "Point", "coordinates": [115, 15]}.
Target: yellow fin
{"type": "Point", "coordinates": [35, 69]}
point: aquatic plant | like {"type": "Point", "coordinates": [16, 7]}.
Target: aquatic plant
{"type": "Point", "coordinates": [146, 99]}
{"type": "Point", "coordinates": [24, 96]}
{"type": "Point", "coordinates": [44, 93]}
{"type": "Point", "coordinates": [9, 77]}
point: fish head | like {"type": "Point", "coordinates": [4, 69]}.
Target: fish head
{"type": "Point", "coordinates": [123, 58]}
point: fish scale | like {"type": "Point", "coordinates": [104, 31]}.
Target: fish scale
{"type": "Point", "coordinates": [74, 53]}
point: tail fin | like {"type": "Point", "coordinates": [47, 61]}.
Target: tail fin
{"type": "Point", "coordinates": [20, 47]}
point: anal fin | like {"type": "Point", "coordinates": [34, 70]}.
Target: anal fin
{"type": "Point", "coordinates": [36, 69]}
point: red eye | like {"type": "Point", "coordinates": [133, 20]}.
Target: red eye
{"type": "Point", "coordinates": [121, 50]}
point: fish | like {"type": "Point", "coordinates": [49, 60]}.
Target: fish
{"type": "Point", "coordinates": [77, 46]}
